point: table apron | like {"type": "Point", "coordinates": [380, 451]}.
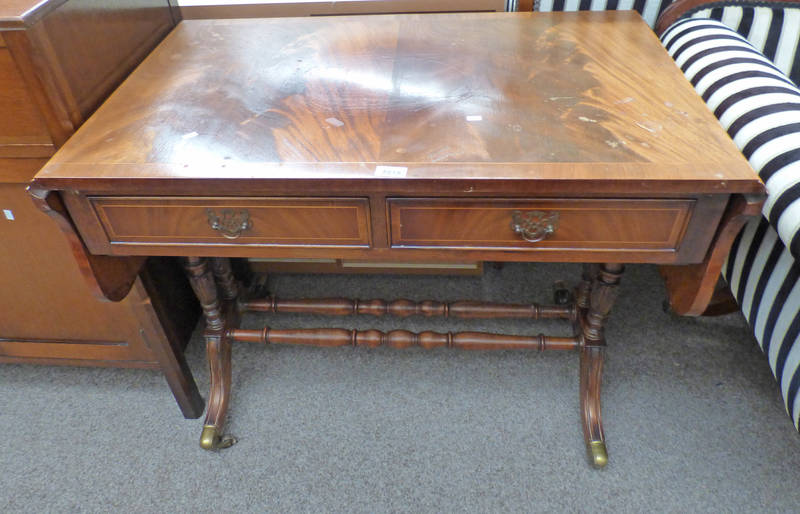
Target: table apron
{"type": "Point", "coordinates": [649, 229]}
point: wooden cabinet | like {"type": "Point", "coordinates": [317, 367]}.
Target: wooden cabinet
{"type": "Point", "coordinates": [203, 9]}
{"type": "Point", "coordinates": [58, 61]}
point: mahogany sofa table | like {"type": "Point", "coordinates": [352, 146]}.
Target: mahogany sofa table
{"type": "Point", "coordinates": [477, 137]}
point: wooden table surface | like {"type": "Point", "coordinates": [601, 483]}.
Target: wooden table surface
{"type": "Point", "coordinates": [522, 97]}
{"type": "Point", "coordinates": [499, 137]}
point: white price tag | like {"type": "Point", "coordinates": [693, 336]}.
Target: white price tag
{"type": "Point", "coordinates": [474, 117]}
{"type": "Point", "coordinates": [8, 214]}
{"type": "Point", "coordinates": [390, 171]}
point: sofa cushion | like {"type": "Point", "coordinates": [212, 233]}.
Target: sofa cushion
{"type": "Point", "coordinates": [760, 108]}
{"type": "Point", "coordinates": [765, 279]}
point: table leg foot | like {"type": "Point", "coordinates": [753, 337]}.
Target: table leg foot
{"type": "Point", "coordinates": [598, 454]}
{"type": "Point", "coordinates": [207, 284]}
{"type": "Point", "coordinates": [590, 381]}
{"type": "Point", "coordinates": [218, 350]}
{"type": "Point", "coordinates": [211, 439]}
{"type": "Point", "coordinates": [598, 299]}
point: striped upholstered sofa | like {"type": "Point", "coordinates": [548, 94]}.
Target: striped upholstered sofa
{"type": "Point", "coordinates": [743, 57]}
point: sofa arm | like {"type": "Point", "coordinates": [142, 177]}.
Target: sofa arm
{"type": "Point", "coordinates": [648, 9]}
{"type": "Point", "coordinates": [756, 103]}
{"type": "Point", "coordinates": [772, 27]}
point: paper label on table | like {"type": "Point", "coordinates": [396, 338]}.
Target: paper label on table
{"type": "Point", "coordinates": [390, 171]}
{"type": "Point", "coordinates": [474, 117]}
{"type": "Point", "coordinates": [8, 214]}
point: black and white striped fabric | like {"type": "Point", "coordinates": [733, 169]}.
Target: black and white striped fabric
{"type": "Point", "coordinates": [763, 276]}
{"type": "Point", "coordinates": [775, 31]}
{"type": "Point", "coordinates": [649, 9]}
{"type": "Point", "coordinates": [756, 103]}
{"type": "Point", "coordinates": [760, 108]}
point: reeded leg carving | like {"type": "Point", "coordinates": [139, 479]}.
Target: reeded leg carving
{"type": "Point", "coordinates": [585, 286]}
{"type": "Point", "coordinates": [601, 298]}
{"type": "Point", "coordinates": [221, 267]}
{"type": "Point", "coordinates": [206, 291]}
{"type": "Point", "coordinates": [591, 378]}
{"type": "Point", "coordinates": [218, 352]}
{"type": "Point", "coordinates": [218, 349]}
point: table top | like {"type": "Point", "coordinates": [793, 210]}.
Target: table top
{"type": "Point", "coordinates": [559, 97]}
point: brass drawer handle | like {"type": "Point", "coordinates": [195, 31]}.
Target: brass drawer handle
{"type": "Point", "coordinates": [231, 223]}
{"type": "Point", "coordinates": [534, 226]}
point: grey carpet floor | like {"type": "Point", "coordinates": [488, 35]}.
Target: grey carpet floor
{"type": "Point", "coordinates": [692, 417]}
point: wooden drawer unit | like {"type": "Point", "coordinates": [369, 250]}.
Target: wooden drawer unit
{"type": "Point", "coordinates": [581, 224]}
{"type": "Point", "coordinates": [59, 59]}
{"type": "Point", "coordinates": [292, 222]}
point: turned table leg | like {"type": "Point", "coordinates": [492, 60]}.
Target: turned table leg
{"type": "Point", "coordinates": [218, 345]}
{"type": "Point", "coordinates": [595, 302]}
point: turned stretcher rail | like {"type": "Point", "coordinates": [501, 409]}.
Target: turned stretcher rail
{"type": "Point", "coordinates": [404, 308]}
{"type": "Point", "coordinates": [404, 339]}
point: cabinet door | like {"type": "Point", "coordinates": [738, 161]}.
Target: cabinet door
{"type": "Point", "coordinates": [48, 312]}
{"type": "Point", "coordinates": [23, 132]}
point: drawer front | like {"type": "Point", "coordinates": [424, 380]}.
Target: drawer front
{"type": "Point", "coordinates": [583, 224]}
{"type": "Point", "coordinates": [300, 222]}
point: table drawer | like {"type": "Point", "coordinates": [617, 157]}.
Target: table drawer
{"type": "Point", "coordinates": [584, 224]}
{"type": "Point", "coordinates": [301, 222]}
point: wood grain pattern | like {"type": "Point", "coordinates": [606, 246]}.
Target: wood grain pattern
{"type": "Point", "coordinates": [332, 337]}
{"type": "Point", "coordinates": [223, 275]}
{"type": "Point", "coordinates": [31, 266]}
{"type": "Point", "coordinates": [336, 97]}
{"type": "Point", "coordinates": [72, 348]}
{"type": "Point", "coordinates": [40, 84]}
{"type": "Point", "coordinates": [705, 214]}
{"type": "Point", "coordinates": [19, 13]}
{"type": "Point", "coordinates": [205, 288]}
{"type": "Point", "coordinates": [66, 71]}
{"type": "Point", "coordinates": [23, 132]}
{"type": "Point", "coordinates": [403, 308]}
{"type": "Point", "coordinates": [691, 287]}
{"type": "Point", "coordinates": [107, 277]}
{"type": "Point", "coordinates": [169, 353]}
{"type": "Point", "coordinates": [405, 115]}
{"type": "Point", "coordinates": [49, 316]}
{"type": "Point", "coordinates": [85, 71]}
{"type": "Point", "coordinates": [274, 221]}
{"type": "Point", "coordinates": [585, 223]}
{"type": "Point", "coordinates": [601, 297]}
{"type": "Point", "coordinates": [258, 9]}
{"type": "Point", "coordinates": [18, 171]}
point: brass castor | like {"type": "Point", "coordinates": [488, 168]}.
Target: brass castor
{"type": "Point", "coordinates": [211, 439]}
{"type": "Point", "coordinates": [562, 295]}
{"type": "Point", "coordinates": [598, 454]}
